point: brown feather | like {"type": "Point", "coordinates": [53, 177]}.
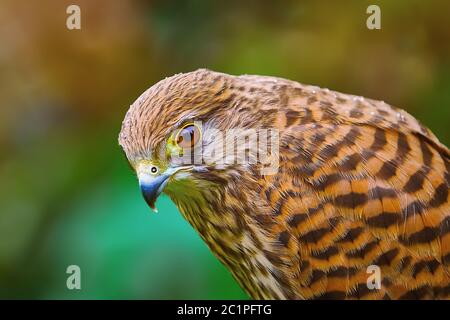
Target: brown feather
{"type": "Point", "coordinates": [360, 183]}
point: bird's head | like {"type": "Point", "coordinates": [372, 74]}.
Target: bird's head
{"type": "Point", "coordinates": [177, 136]}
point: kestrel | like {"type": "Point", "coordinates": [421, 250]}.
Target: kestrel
{"type": "Point", "coordinates": [360, 190]}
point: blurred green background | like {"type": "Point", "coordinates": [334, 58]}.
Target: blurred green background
{"type": "Point", "coordinates": [67, 195]}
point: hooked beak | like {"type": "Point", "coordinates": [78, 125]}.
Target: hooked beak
{"type": "Point", "coordinates": [151, 187]}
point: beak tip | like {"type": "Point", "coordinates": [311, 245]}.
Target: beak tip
{"type": "Point", "coordinates": [152, 189]}
{"type": "Point", "coordinates": [153, 207]}
{"type": "Point", "coordinates": [151, 202]}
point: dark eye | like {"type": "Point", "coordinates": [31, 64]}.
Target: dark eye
{"type": "Point", "coordinates": [188, 136]}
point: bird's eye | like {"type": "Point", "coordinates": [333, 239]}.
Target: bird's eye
{"type": "Point", "coordinates": [188, 136]}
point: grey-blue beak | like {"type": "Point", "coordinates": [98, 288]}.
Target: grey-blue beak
{"type": "Point", "coordinates": [152, 188]}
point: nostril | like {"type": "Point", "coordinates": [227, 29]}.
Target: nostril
{"type": "Point", "coordinates": [154, 170]}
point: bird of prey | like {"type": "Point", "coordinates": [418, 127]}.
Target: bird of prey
{"type": "Point", "coordinates": [360, 190]}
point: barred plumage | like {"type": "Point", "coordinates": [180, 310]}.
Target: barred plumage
{"type": "Point", "coordinates": [359, 183]}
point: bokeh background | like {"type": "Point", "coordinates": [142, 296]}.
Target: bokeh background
{"type": "Point", "coordinates": [67, 195]}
